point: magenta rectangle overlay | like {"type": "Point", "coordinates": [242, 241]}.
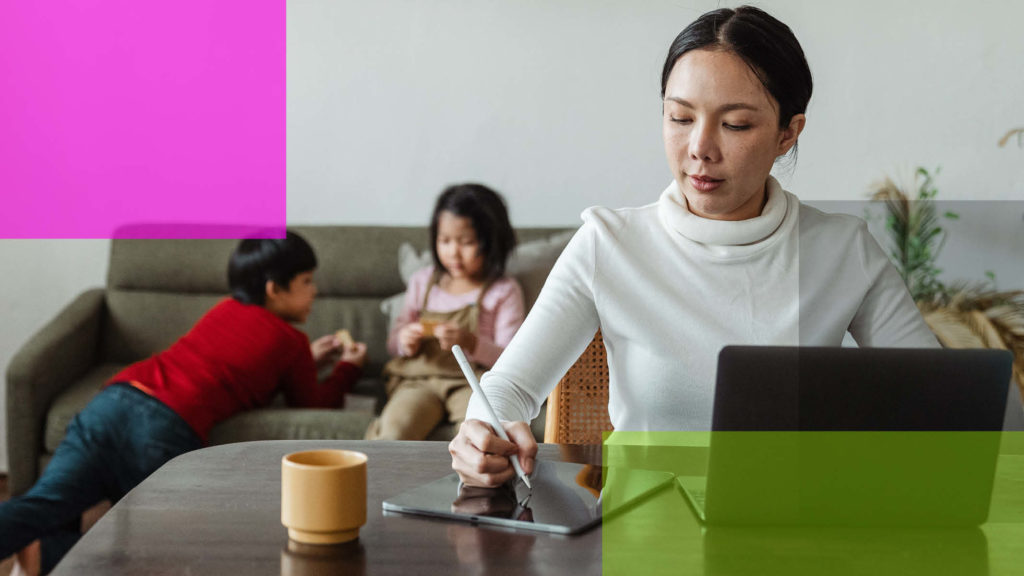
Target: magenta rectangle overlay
{"type": "Point", "coordinates": [142, 119]}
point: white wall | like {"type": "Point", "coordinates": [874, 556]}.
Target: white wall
{"type": "Point", "coordinates": [555, 103]}
{"type": "Point", "coordinates": [39, 278]}
{"type": "Point", "coordinates": [558, 106]}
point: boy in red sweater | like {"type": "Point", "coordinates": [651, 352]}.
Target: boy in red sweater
{"type": "Point", "coordinates": [235, 358]}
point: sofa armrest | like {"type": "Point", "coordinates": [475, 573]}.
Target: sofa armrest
{"type": "Point", "coordinates": [52, 359]}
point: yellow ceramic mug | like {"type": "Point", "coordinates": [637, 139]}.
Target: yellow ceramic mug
{"type": "Point", "coordinates": [323, 495]}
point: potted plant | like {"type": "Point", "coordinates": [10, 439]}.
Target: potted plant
{"type": "Point", "coordinates": [961, 314]}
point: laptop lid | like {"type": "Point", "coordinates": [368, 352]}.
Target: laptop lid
{"type": "Point", "coordinates": [848, 436]}
{"type": "Point", "coordinates": [808, 388]}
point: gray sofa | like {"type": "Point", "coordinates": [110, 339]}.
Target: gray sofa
{"type": "Point", "coordinates": [156, 290]}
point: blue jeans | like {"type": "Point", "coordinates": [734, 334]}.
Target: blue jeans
{"type": "Point", "coordinates": [119, 439]}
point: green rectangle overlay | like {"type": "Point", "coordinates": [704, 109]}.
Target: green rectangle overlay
{"type": "Point", "coordinates": [799, 503]}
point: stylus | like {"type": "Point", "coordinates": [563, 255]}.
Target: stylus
{"type": "Point", "coordinates": [492, 418]}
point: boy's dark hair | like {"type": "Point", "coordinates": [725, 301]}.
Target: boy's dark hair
{"type": "Point", "coordinates": [486, 211]}
{"type": "Point", "coordinates": [277, 259]}
{"type": "Point", "coordinates": [768, 46]}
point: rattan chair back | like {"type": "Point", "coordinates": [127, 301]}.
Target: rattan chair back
{"type": "Point", "coordinates": [578, 407]}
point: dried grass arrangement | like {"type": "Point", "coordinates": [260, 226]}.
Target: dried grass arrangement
{"type": "Point", "coordinates": [979, 317]}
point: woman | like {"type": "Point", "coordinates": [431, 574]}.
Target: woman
{"type": "Point", "coordinates": [725, 256]}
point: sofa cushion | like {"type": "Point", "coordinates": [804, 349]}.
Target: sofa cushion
{"type": "Point", "coordinates": [181, 266]}
{"type": "Point", "coordinates": [391, 307]}
{"type": "Point", "coordinates": [354, 261]}
{"type": "Point", "coordinates": [71, 402]}
{"type": "Point", "coordinates": [141, 323]}
{"type": "Point", "coordinates": [444, 431]}
{"type": "Point", "coordinates": [292, 424]}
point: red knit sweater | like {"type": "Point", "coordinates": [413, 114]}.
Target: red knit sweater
{"type": "Point", "coordinates": [234, 359]}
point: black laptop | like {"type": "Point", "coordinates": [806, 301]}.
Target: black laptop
{"type": "Point", "coordinates": [852, 437]}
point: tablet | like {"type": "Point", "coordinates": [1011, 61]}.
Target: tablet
{"type": "Point", "coordinates": [566, 498]}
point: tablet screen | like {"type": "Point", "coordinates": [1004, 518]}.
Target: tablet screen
{"type": "Point", "coordinates": [566, 498]}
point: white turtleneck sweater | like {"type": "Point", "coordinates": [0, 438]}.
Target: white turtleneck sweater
{"type": "Point", "coordinates": [669, 289]}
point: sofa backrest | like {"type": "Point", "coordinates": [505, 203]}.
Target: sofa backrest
{"type": "Point", "coordinates": [157, 289]}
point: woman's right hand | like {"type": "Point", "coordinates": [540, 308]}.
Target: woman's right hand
{"type": "Point", "coordinates": [481, 458]}
{"type": "Point", "coordinates": [409, 339]}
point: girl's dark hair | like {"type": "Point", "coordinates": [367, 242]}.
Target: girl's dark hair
{"type": "Point", "coordinates": [487, 213]}
{"type": "Point", "coordinates": [767, 46]}
{"type": "Point", "coordinates": [277, 259]}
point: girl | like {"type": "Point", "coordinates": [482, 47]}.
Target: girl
{"type": "Point", "coordinates": [724, 256]}
{"type": "Point", "coordinates": [465, 299]}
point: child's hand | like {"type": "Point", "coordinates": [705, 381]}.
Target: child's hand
{"type": "Point", "coordinates": [354, 353]}
{"type": "Point", "coordinates": [450, 334]}
{"type": "Point", "coordinates": [409, 339]}
{"type": "Point", "coordinates": [322, 348]}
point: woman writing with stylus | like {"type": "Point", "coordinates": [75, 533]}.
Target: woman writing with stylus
{"type": "Point", "coordinates": [724, 256]}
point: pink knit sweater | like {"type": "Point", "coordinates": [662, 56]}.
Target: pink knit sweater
{"type": "Point", "coordinates": [502, 313]}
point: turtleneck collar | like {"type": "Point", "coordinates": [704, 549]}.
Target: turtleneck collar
{"type": "Point", "coordinates": [676, 215]}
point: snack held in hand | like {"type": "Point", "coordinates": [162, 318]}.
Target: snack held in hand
{"type": "Point", "coordinates": [344, 338]}
{"type": "Point", "coordinates": [428, 328]}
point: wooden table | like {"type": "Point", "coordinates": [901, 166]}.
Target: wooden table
{"type": "Point", "coordinates": [217, 511]}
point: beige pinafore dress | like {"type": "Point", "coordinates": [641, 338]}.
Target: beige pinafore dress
{"type": "Point", "coordinates": [426, 388]}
